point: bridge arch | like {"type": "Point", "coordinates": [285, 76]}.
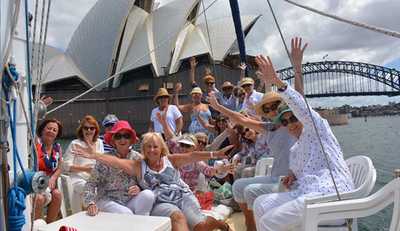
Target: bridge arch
{"type": "Point", "coordinates": [345, 73]}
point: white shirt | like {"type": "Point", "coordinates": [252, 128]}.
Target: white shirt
{"type": "Point", "coordinates": [173, 114]}
{"type": "Point", "coordinates": [71, 159]}
{"type": "Point", "coordinates": [307, 160]}
{"type": "Point", "coordinates": [251, 101]}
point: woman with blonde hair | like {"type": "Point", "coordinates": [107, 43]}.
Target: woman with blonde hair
{"type": "Point", "coordinates": [158, 171]}
{"type": "Point", "coordinates": [77, 167]}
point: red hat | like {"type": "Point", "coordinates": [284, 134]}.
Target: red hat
{"type": "Point", "coordinates": [119, 126]}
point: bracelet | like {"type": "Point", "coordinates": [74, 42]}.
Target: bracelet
{"type": "Point", "coordinates": [212, 155]}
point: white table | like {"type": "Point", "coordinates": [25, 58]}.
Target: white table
{"type": "Point", "coordinates": [111, 221]}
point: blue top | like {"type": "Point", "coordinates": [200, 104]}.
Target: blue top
{"type": "Point", "coordinates": [195, 126]}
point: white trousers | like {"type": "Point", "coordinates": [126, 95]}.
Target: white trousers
{"type": "Point", "coordinates": [278, 211]}
{"type": "Point", "coordinates": [140, 204]}
{"type": "Point", "coordinates": [77, 200]}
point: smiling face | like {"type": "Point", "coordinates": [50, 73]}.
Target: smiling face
{"type": "Point", "coordinates": [163, 101]}
{"type": "Point", "coordinates": [227, 91]}
{"type": "Point", "coordinates": [50, 132]}
{"type": "Point", "coordinates": [122, 141]}
{"type": "Point", "coordinates": [196, 98]}
{"type": "Point", "coordinates": [88, 131]}
{"type": "Point", "coordinates": [248, 88]}
{"type": "Point", "coordinates": [270, 109]}
{"type": "Point", "coordinates": [294, 126]}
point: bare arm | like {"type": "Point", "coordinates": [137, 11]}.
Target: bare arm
{"type": "Point", "coordinates": [126, 165]}
{"type": "Point", "coordinates": [236, 117]}
{"type": "Point", "coordinates": [182, 108]}
{"type": "Point", "coordinates": [179, 124]}
{"type": "Point", "coordinates": [151, 126]}
{"type": "Point", "coordinates": [192, 73]}
{"type": "Point", "coordinates": [205, 124]}
{"type": "Point", "coordinates": [179, 160]}
{"type": "Point", "coordinates": [162, 117]}
{"type": "Point", "coordinates": [242, 67]}
{"type": "Point", "coordinates": [297, 59]}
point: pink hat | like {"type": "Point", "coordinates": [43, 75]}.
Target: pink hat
{"type": "Point", "coordinates": [119, 126]}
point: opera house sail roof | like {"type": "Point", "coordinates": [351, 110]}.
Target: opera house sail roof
{"type": "Point", "coordinates": [119, 36]}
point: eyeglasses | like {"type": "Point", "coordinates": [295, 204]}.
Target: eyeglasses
{"type": "Point", "coordinates": [86, 128]}
{"type": "Point", "coordinates": [209, 83]}
{"type": "Point", "coordinates": [291, 119]}
{"type": "Point", "coordinates": [182, 145]}
{"type": "Point", "coordinates": [273, 107]}
{"type": "Point", "coordinates": [119, 136]}
{"type": "Point", "coordinates": [247, 85]}
{"type": "Point", "coordinates": [164, 97]}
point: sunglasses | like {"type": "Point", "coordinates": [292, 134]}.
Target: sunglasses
{"type": "Point", "coordinates": [182, 145]}
{"type": "Point", "coordinates": [247, 85]}
{"type": "Point", "coordinates": [86, 128]}
{"type": "Point", "coordinates": [273, 107]}
{"type": "Point", "coordinates": [119, 136]}
{"type": "Point", "coordinates": [209, 83]}
{"type": "Point", "coordinates": [291, 119]}
{"type": "Point", "coordinates": [201, 142]}
{"type": "Point", "coordinates": [164, 97]}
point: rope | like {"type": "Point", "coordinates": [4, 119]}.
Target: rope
{"type": "Point", "coordinates": [16, 207]}
{"type": "Point", "coordinates": [170, 36]}
{"type": "Point", "coordinates": [34, 33]}
{"type": "Point", "coordinates": [312, 118]}
{"type": "Point", "coordinates": [209, 38]}
{"type": "Point", "coordinates": [357, 24]}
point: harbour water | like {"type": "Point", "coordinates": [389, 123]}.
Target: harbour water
{"type": "Point", "coordinates": [377, 137]}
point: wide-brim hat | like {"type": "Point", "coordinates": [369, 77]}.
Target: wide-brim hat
{"type": "Point", "coordinates": [227, 84]}
{"type": "Point", "coordinates": [188, 139]}
{"type": "Point", "coordinates": [246, 81]}
{"type": "Point", "coordinates": [209, 79]}
{"type": "Point", "coordinates": [196, 90]}
{"type": "Point", "coordinates": [281, 110]}
{"type": "Point", "coordinates": [268, 98]}
{"type": "Point", "coordinates": [121, 125]}
{"type": "Point", "coordinates": [161, 92]}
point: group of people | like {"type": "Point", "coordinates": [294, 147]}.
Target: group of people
{"type": "Point", "coordinates": [229, 131]}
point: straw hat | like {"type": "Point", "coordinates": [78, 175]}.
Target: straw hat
{"type": "Point", "coordinates": [246, 81]}
{"type": "Point", "coordinates": [196, 90]}
{"type": "Point", "coordinates": [209, 79]}
{"type": "Point", "coordinates": [161, 92]}
{"type": "Point", "coordinates": [227, 84]}
{"type": "Point", "coordinates": [268, 98]}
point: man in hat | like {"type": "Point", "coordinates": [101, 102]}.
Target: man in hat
{"type": "Point", "coordinates": [226, 98]}
{"type": "Point", "coordinates": [252, 96]}
{"type": "Point", "coordinates": [108, 123]}
{"type": "Point", "coordinates": [173, 115]}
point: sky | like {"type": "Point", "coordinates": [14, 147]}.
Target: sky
{"type": "Point", "coordinates": [324, 36]}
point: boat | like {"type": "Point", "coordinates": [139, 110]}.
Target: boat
{"type": "Point", "coordinates": [19, 135]}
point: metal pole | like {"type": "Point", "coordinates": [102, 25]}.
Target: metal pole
{"type": "Point", "coordinates": [4, 180]}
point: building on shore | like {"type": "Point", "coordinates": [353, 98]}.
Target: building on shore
{"type": "Point", "coordinates": [334, 117]}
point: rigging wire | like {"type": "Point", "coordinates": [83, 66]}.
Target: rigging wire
{"type": "Point", "coordinates": [310, 114]}
{"type": "Point", "coordinates": [354, 23]}
{"type": "Point", "coordinates": [209, 38]}
{"type": "Point", "coordinates": [34, 33]}
{"type": "Point", "coordinates": [169, 36]}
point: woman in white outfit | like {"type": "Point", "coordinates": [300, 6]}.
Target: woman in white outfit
{"type": "Point", "coordinates": [309, 175]}
{"type": "Point", "coordinates": [77, 167]}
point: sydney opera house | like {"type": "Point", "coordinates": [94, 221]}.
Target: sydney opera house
{"type": "Point", "coordinates": [145, 46]}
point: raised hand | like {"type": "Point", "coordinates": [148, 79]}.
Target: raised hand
{"type": "Point", "coordinates": [193, 62]}
{"type": "Point", "coordinates": [47, 100]}
{"type": "Point", "coordinates": [212, 100]}
{"type": "Point", "coordinates": [242, 66]}
{"type": "Point", "coordinates": [133, 190]}
{"type": "Point", "coordinates": [83, 151]}
{"type": "Point", "coordinates": [222, 153]}
{"type": "Point", "coordinates": [178, 87]}
{"type": "Point", "coordinates": [267, 69]}
{"type": "Point", "coordinates": [297, 52]}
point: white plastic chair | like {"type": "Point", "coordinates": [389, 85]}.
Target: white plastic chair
{"type": "Point", "coordinates": [65, 186]}
{"type": "Point", "coordinates": [363, 173]}
{"type": "Point", "coordinates": [355, 208]}
{"type": "Point", "coordinates": [264, 166]}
